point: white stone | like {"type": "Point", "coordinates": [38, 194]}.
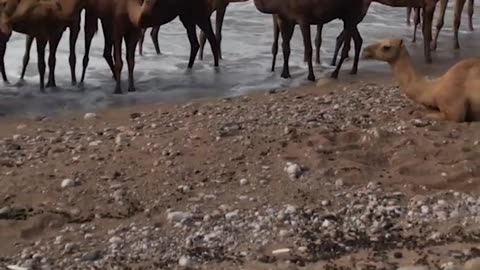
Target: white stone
{"type": "Point", "coordinates": [243, 181]}
{"type": "Point", "coordinates": [414, 267]}
{"type": "Point", "coordinates": [185, 261]}
{"type": "Point", "coordinates": [178, 216]}
{"type": "Point", "coordinates": [67, 183]}
{"type": "Point", "coordinates": [339, 182]}
{"type": "Point", "coordinates": [425, 209]}
{"type": "Point", "coordinates": [90, 116]}
{"type": "Point", "coordinates": [293, 170]}
{"type": "Point", "coordinates": [115, 240]}
{"type": "Point", "coordinates": [290, 210]}
{"type": "Point", "coordinates": [16, 267]}
{"type": "Point", "coordinates": [280, 251]}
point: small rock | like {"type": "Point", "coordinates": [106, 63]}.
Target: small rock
{"type": "Point", "coordinates": [293, 170]}
{"type": "Point", "coordinates": [67, 183]}
{"type": "Point", "coordinates": [178, 216]}
{"type": "Point", "coordinates": [90, 116]}
{"type": "Point", "coordinates": [231, 215]}
{"type": "Point", "coordinates": [425, 209]}
{"type": "Point", "coordinates": [281, 251]}
{"type": "Point", "coordinates": [290, 210]}
{"type": "Point", "coordinates": [243, 181]}
{"type": "Point", "coordinates": [16, 267]}
{"type": "Point", "coordinates": [420, 123]}
{"type": "Point", "coordinates": [339, 183]}
{"type": "Point", "coordinates": [115, 240]}
{"type": "Point", "coordinates": [185, 261]}
{"type": "Point", "coordinates": [414, 267]}
{"type": "Point", "coordinates": [92, 255]}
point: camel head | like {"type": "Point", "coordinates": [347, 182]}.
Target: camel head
{"type": "Point", "coordinates": [387, 50]}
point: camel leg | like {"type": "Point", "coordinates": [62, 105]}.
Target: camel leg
{"type": "Point", "coordinates": [154, 35]}
{"type": "Point", "coordinates": [206, 26]}
{"type": "Point", "coordinates": [338, 44]}
{"type": "Point", "coordinates": [307, 43]}
{"type": "Point", "coordinates": [470, 14]}
{"type": "Point", "coordinates": [26, 56]}
{"type": "Point", "coordinates": [131, 42]}
{"type": "Point", "coordinates": [440, 22]}
{"type": "Point", "coordinates": [74, 31]}
{"type": "Point", "coordinates": [140, 41]}
{"type": "Point", "coordinates": [459, 4]}
{"type": "Point", "coordinates": [428, 11]}
{"type": "Point", "coordinates": [409, 13]}
{"type": "Point", "coordinates": [52, 59]}
{"type": "Point", "coordinates": [357, 41]}
{"type": "Point", "coordinates": [218, 29]}
{"type": "Point", "coordinates": [318, 43]}
{"type": "Point", "coordinates": [107, 49]}
{"type": "Point", "coordinates": [346, 48]}
{"type": "Point", "coordinates": [3, 49]}
{"type": "Point", "coordinates": [41, 44]}
{"type": "Point", "coordinates": [192, 38]}
{"type": "Point", "coordinates": [118, 64]}
{"type": "Point", "coordinates": [286, 29]}
{"type": "Point", "coordinates": [203, 40]}
{"type": "Point", "coordinates": [90, 29]}
{"type": "Point", "coordinates": [416, 22]}
{"type": "Point", "coordinates": [276, 32]}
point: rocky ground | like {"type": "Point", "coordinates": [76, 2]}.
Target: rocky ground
{"type": "Point", "coordinates": [339, 177]}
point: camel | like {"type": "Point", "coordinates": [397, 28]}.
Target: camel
{"type": "Point", "coordinates": [416, 21]}
{"type": "Point", "coordinates": [455, 96]}
{"type": "Point", "coordinates": [291, 12]}
{"type": "Point", "coordinates": [43, 20]}
{"type": "Point", "coordinates": [130, 16]}
{"type": "Point", "coordinates": [220, 6]}
{"type": "Point", "coordinates": [154, 35]}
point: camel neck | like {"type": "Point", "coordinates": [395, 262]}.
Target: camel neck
{"type": "Point", "coordinates": [411, 82]}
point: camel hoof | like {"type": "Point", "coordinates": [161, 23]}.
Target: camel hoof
{"type": "Point", "coordinates": [285, 75]}
{"type": "Point", "coordinates": [51, 85]}
{"type": "Point", "coordinates": [132, 89]}
{"type": "Point", "coordinates": [117, 91]}
{"type": "Point", "coordinates": [311, 77]}
{"type": "Point", "coordinates": [353, 72]}
{"type": "Point", "coordinates": [20, 83]}
{"type": "Point", "coordinates": [333, 63]}
{"type": "Point", "coordinates": [334, 75]}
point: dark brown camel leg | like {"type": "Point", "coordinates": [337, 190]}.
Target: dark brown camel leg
{"type": "Point", "coordinates": [154, 35]}
{"type": "Point", "coordinates": [307, 43]}
{"type": "Point", "coordinates": [131, 43]}
{"type": "Point", "coordinates": [107, 49]}
{"type": "Point", "coordinates": [428, 11]}
{"type": "Point", "coordinates": [140, 41]}
{"type": "Point", "coordinates": [440, 22]}
{"type": "Point", "coordinates": [90, 29]}
{"type": "Point", "coordinates": [192, 38]}
{"type": "Point", "coordinates": [203, 40]}
{"type": "Point", "coordinates": [3, 49]}
{"type": "Point", "coordinates": [206, 26]}
{"type": "Point", "coordinates": [52, 58]}
{"type": "Point", "coordinates": [26, 56]}
{"type": "Point", "coordinates": [41, 44]}
{"type": "Point", "coordinates": [286, 28]}
{"type": "Point", "coordinates": [117, 49]}
{"type": "Point", "coordinates": [346, 48]}
{"type": "Point", "coordinates": [470, 14]}
{"type": "Point", "coordinates": [74, 31]}
{"type": "Point", "coordinates": [276, 33]}
{"type": "Point", "coordinates": [409, 13]}
{"type": "Point", "coordinates": [459, 5]}
{"type": "Point", "coordinates": [338, 44]}
{"type": "Point", "coordinates": [318, 43]}
{"type": "Point", "coordinates": [416, 22]}
{"type": "Point", "coordinates": [218, 29]}
{"type": "Point", "coordinates": [357, 42]}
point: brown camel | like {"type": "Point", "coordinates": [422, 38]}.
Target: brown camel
{"type": "Point", "coordinates": [131, 16]}
{"type": "Point", "coordinates": [154, 35]}
{"type": "Point", "coordinates": [455, 96]}
{"type": "Point", "coordinates": [43, 20]}
{"type": "Point", "coordinates": [276, 34]}
{"type": "Point", "coordinates": [220, 6]}
{"type": "Point", "coordinates": [307, 12]}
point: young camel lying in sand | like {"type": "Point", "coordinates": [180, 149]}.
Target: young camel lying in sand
{"type": "Point", "coordinates": [455, 96]}
{"type": "Point", "coordinates": [43, 20]}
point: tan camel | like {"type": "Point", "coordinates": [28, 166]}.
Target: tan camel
{"type": "Point", "coordinates": [43, 20]}
{"type": "Point", "coordinates": [455, 96]}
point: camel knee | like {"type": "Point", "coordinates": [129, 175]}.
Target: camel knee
{"type": "Point", "coordinates": [85, 61]}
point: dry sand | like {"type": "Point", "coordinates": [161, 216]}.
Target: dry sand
{"type": "Point", "coordinates": [344, 175]}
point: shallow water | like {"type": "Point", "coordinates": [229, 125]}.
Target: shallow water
{"type": "Point", "coordinates": [247, 38]}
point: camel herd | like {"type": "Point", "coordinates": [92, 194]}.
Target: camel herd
{"type": "Point", "coordinates": [127, 21]}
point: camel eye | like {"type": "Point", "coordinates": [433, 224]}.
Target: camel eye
{"type": "Point", "coordinates": [386, 48]}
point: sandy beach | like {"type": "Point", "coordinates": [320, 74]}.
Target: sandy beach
{"type": "Point", "coordinates": [346, 174]}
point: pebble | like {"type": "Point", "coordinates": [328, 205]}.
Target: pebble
{"type": "Point", "coordinates": [243, 181]}
{"type": "Point", "coordinates": [339, 183]}
{"type": "Point", "coordinates": [231, 215]}
{"type": "Point", "coordinates": [92, 255]}
{"type": "Point", "coordinates": [185, 261]}
{"type": "Point", "coordinates": [90, 116]}
{"type": "Point", "coordinates": [281, 251]}
{"type": "Point", "coordinates": [414, 267]}
{"type": "Point", "coordinates": [16, 267]}
{"type": "Point", "coordinates": [115, 240]}
{"type": "Point", "coordinates": [67, 183]}
{"type": "Point", "coordinates": [178, 216]}
{"type": "Point", "coordinates": [420, 123]}
{"type": "Point", "coordinates": [290, 210]}
{"type": "Point", "coordinates": [293, 170]}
